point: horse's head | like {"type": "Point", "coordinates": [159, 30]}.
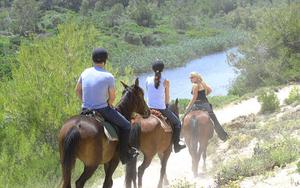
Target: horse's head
{"type": "Point", "coordinates": [135, 98]}
{"type": "Point", "coordinates": [174, 108]}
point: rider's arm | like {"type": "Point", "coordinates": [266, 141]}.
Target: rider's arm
{"type": "Point", "coordinates": [207, 88]}
{"type": "Point", "coordinates": [78, 90]}
{"type": "Point", "coordinates": [195, 95]}
{"type": "Point", "coordinates": [167, 91]}
{"type": "Point", "coordinates": [111, 96]}
{"type": "Point", "coordinates": [111, 91]}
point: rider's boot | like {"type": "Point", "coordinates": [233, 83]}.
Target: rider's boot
{"type": "Point", "coordinates": [127, 153]}
{"type": "Point", "coordinates": [176, 139]}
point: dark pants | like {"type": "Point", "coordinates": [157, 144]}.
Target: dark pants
{"type": "Point", "coordinates": [171, 117]}
{"type": "Point", "coordinates": [117, 119]}
{"type": "Point", "coordinates": [114, 117]}
{"type": "Point", "coordinates": [206, 106]}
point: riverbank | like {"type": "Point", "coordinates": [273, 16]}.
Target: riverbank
{"type": "Point", "coordinates": [177, 55]}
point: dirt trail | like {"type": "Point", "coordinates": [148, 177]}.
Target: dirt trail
{"type": "Point", "coordinates": [179, 165]}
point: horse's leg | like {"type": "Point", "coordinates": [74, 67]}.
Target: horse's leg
{"type": "Point", "coordinates": [195, 159]}
{"type": "Point", "coordinates": [87, 173]}
{"type": "Point", "coordinates": [164, 159]}
{"type": "Point", "coordinates": [143, 166]}
{"type": "Point", "coordinates": [204, 155]}
{"type": "Point", "coordinates": [203, 145]}
{"type": "Point", "coordinates": [110, 168]}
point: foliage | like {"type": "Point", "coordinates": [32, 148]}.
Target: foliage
{"type": "Point", "coordinates": [36, 102]}
{"type": "Point", "coordinates": [298, 167]}
{"type": "Point", "coordinates": [143, 15]}
{"type": "Point", "coordinates": [271, 55]}
{"type": "Point", "coordinates": [182, 183]}
{"type": "Point", "coordinates": [265, 158]}
{"type": "Point", "coordinates": [294, 96]}
{"type": "Point", "coordinates": [25, 16]}
{"type": "Point", "coordinates": [7, 57]}
{"type": "Point", "coordinates": [114, 16]}
{"type": "Point", "coordinates": [269, 101]}
{"type": "Point", "coordinates": [239, 141]}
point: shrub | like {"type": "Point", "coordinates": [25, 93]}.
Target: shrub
{"type": "Point", "coordinates": [143, 15]}
{"type": "Point", "coordinates": [182, 183]}
{"type": "Point", "coordinates": [269, 101]}
{"type": "Point", "coordinates": [36, 102]}
{"type": "Point", "coordinates": [294, 96]}
{"type": "Point", "coordinates": [239, 141]}
{"type": "Point", "coordinates": [114, 16]}
{"type": "Point", "coordinates": [132, 38]}
{"type": "Point", "coordinates": [151, 40]}
{"type": "Point", "coordinates": [180, 22]}
{"type": "Point", "coordinates": [265, 158]}
{"type": "Point", "coordinates": [298, 167]}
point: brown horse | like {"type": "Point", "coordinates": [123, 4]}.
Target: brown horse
{"type": "Point", "coordinates": [155, 137]}
{"type": "Point", "coordinates": [197, 130]}
{"type": "Point", "coordinates": [83, 138]}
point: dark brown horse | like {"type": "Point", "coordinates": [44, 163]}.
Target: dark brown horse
{"type": "Point", "coordinates": [197, 130]}
{"type": "Point", "coordinates": [155, 137]}
{"type": "Point", "coordinates": [83, 138]}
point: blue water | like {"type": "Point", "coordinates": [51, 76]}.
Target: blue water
{"type": "Point", "coordinates": [214, 69]}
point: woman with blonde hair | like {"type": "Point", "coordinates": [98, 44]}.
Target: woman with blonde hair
{"type": "Point", "coordinates": [199, 101]}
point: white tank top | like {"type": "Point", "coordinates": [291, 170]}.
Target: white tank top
{"type": "Point", "coordinates": [155, 97]}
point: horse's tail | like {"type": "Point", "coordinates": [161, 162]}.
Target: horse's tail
{"type": "Point", "coordinates": [68, 154]}
{"type": "Point", "coordinates": [194, 130]}
{"type": "Point", "coordinates": [130, 176]}
{"type": "Point", "coordinates": [194, 126]}
{"type": "Point", "coordinates": [134, 139]}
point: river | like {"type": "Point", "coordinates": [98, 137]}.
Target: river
{"type": "Point", "coordinates": [214, 69]}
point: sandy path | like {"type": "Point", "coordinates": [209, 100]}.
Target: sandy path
{"type": "Point", "coordinates": [179, 165]}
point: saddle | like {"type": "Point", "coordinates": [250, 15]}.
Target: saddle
{"type": "Point", "coordinates": [149, 124]}
{"type": "Point", "coordinates": [110, 131]}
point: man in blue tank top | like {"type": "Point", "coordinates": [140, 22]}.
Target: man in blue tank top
{"type": "Point", "coordinates": [96, 89]}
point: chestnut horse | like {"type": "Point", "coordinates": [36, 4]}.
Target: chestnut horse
{"type": "Point", "coordinates": [154, 137]}
{"type": "Point", "coordinates": [197, 130]}
{"type": "Point", "coordinates": [83, 137]}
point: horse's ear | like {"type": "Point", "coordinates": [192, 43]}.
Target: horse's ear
{"type": "Point", "coordinates": [136, 82]}
{"type": "Point", "coordinates": [124, 85]}
{"type": "Point", "coordinates": [176, 101]}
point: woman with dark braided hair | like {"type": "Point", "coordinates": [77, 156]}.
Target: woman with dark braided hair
{"type": "Point", "coordinates": [158, 90]}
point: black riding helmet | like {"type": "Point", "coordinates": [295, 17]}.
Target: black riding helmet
{"type": "Point", "coordinates": [158, 66]}
{"type": "Point", "coordinates": [99, 55]}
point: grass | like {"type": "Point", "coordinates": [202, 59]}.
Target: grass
{"type": "Point", "coordinates": [182, 183]}
{"type": "Point", "coordinates": [265, 158]}
{"type": "Point", "coordinates": [276, 147]}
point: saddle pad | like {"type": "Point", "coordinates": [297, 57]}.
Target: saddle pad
{"type": "Point", "coordinates": [110, 131]}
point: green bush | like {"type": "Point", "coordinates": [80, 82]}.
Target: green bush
{"type": "Point", "coordinates": [114, 16]}
{"type": "Point", "coordinates": [294, 96]}
{"type": "Point", "coordinates": [182, 183]}
{"type": "Point", "coordinates": [265, 158]}
{"type": "Point", "coordinates": [143, 15]}
{"type": "Point", "coordinates": [38, 99]}
{"type": "Point", "coordinates": [271, 52]}
{"type": "Point", "coordinates": [298, 167]}
{"type": "Point", "coordinates": [269, 101]}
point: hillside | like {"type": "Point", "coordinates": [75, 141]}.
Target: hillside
{"type": "Point", "coordinates": [272, 139]}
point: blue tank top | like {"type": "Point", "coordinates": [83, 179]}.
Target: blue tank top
{"type": "Point", "coordinates": [95, 83]}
